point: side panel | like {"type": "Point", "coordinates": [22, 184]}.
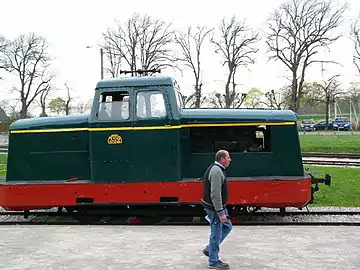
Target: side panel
{"type": "Point", "coordinates": [156, 155]}
{"type": "Point", "coordinates": [111, 162]}
{"type": "Point", "coordinates": [286, 142]}
{"type": "Point", "coordinates": [48, 156]}
{"type": "Point", "coordinates": [255, 151]}
{"type": "Point", "coordinates": [294, 192]}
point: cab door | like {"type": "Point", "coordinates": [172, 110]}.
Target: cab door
{"type": "Point", "coordinates": [156, 141]}
{"type": "Point", "coordinates": [112, 138]}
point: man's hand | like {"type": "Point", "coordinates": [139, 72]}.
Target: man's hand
{"type": "Point", "coordinates": [223, 219]}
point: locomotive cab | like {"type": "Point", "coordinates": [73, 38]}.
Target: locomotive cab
{"type": "Point", "coordinates": [133, 130]}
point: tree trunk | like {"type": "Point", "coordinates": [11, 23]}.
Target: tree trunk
{"type": "Point", "coordinates": [293, 100]}
{"type": "Point", "coordinates": [327, 102]}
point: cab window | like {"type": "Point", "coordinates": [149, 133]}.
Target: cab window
{"type": "Point", "coordinates": [150, 104]}
{"type": "Point", "coordinates": [114, 106]}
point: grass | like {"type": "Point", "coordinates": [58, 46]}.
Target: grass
{"type": "Point", "coordinates": [344, 189]}
{"type": "Point", "coordinates": [330, 143]}
{"type": "Point", "coordinates": [3, 159]}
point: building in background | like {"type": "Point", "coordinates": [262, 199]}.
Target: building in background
{"type": "Point", "coordinates": [3, 116]}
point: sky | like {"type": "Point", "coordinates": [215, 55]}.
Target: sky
{"type": "Point", "coordinates": [72, 26]}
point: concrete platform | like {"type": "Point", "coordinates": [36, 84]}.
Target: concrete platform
{"type": "Point", "coordinates": [130, 247]}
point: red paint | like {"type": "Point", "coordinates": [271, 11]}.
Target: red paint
{"type": "Point", "coordinates": [279, 193]}
{"type": "Point", "coordinates": [72, 180]}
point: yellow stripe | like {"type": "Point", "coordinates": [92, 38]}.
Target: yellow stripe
{"type": "Point", "coordinates": [49, 130]}
{"type": "Point", "coordinates": [240, 124]}
{"type": "Point", "coordinates": [152, 127]}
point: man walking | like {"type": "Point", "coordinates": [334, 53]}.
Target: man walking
{"type": "Point", "coordinates": [214, 201]}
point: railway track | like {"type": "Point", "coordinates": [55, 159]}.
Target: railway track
{"type": "Point", "coordinates": [263, 213]}
{"type": "Point", "coordinates": [3, 149]}
{"type": "Point", "coordinates": [68, 223]}
{"type": "Point", "coordinates": [332, 162]}
{"type": "Point", "coordinates": [330, 155]}
{"type": "Point", "coordinates": [296, 218]}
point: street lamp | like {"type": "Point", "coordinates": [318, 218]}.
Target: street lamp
{"type": "Point", "coordinates": [101, 61]}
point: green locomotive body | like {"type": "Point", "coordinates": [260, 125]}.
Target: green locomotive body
{"type": "Point", "coordinates": [138, 145]}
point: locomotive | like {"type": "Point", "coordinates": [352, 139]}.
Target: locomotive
{"type": "Point", "coordinates": [139, 152]}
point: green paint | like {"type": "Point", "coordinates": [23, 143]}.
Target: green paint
{"type": "Point", "coordinates": [149, 155]}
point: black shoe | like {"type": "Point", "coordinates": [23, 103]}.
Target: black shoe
{"type": "Point", "coordinates": [205, 252]}
{"type": "Point", "coordinates": [219, 265]}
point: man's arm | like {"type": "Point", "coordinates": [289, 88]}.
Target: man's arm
{"type": "Point", "coordinates": [216, 179]}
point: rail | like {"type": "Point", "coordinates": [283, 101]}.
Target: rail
{"type": "Point", "coordinates": [297, 218]}
{"type": "Point", "coordinates": [3, 149]}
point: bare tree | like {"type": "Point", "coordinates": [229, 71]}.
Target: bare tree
{"type": "Point", "coordinates": [82, 107]}
{"type": "Point", "coordinates": [43, 99]}
{"type": "Point", "coordinates": [353, 93]}
{"type": "Point", "coordinates": [3, 46]}
{"type": "Point", "coordinates": [143, 43]}
{"type": "Point", "coordinates": [235, 45]}
{"type": "Point", "coordinates": [191, 44]}
{"type": "Point", "coordinates": [355, 34]}
{"type": "Point", "coordinates": [276, 100]}
{"type": "Point", "coordinates": [67, 106]}
{"type": "Point", "coordinates": [298, 30]}
{"type": "Point", "coordinates": [326, 92]}
{"type": "Point", "coordinates": [219, 100]}
{"type": "Point", "coordinates": [114, 62]}
{"type": "Point", "coordinates": [26, 57]}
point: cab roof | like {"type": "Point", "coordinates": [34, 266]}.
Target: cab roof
{"type": "Point", "coordinates": [135, 81]}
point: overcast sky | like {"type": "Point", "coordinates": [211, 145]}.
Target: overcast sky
{"type": "Point", "coordinates": [70, 26]}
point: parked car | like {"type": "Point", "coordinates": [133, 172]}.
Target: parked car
{"type": "Point", "coordinates": [342, 123]}
{"type": "Point", "coordinates": [322, 125]}
{"type": "Point", "coordinates": [307, 125]}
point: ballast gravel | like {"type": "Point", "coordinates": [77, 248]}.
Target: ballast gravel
{"type": "Point", "coordinates": [263, 218]}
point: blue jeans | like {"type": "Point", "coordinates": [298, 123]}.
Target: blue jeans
{"type": "Point", "coordinates": [218, 232]}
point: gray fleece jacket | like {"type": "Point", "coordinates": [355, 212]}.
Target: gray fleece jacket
{"type": "Point", "coordinates": [216, 178]}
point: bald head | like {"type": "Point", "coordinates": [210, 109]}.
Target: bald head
{"type": "Point", "coordinates": [220, 154]}
{"type": "Point", "coordinates": [223, 157]}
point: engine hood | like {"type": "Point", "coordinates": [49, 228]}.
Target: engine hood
{"type": "Point", "coordinates": [236, 115]}
{"type": "Point", "coordinates": [69, 121]}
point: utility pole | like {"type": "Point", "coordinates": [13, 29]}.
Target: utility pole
{"type": "Point", "coordinates": [101, 61]}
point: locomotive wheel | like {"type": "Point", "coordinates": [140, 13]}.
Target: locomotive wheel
{"type": "Point", "coordinates": [86, 219]}
{"type": "Point", "coordinates": [282, 211]}
{"type": "Point", "coordinates": [83, 216]}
